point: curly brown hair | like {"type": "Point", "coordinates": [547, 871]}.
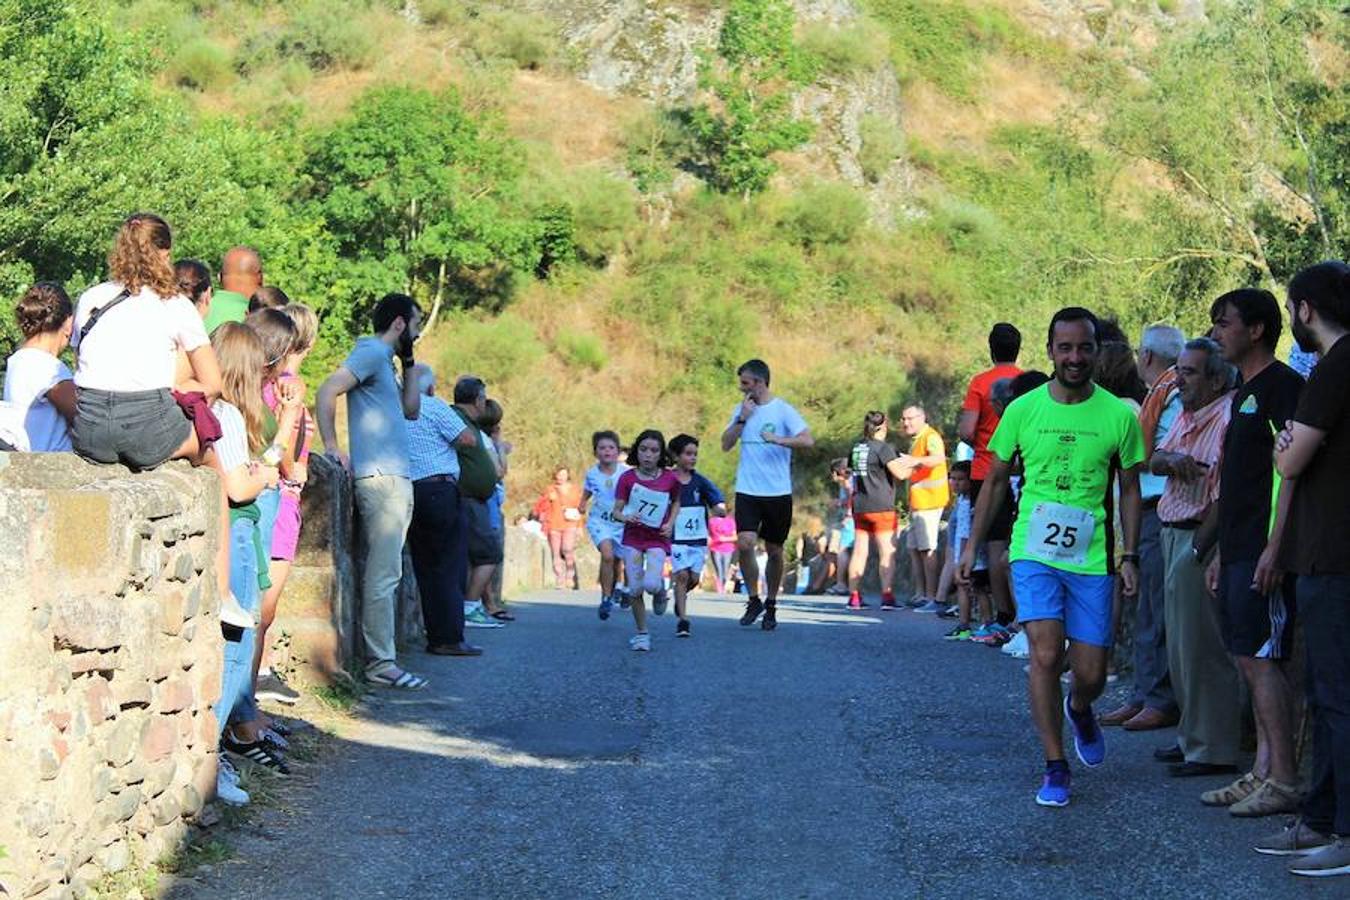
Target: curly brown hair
{"type": "Point", "coordinates": [139, 257]}
{"type": "Point", "coordinates": [44, 307]}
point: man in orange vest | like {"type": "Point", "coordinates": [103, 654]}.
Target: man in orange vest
{"type": "Point", "coordinates": [928, 496]}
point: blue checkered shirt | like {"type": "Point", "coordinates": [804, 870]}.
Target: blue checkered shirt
{"type": "Point", "coordinates": [431, 440]}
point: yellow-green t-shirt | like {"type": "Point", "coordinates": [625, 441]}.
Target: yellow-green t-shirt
{"type": "Point", "coordinates": [1068, 452]}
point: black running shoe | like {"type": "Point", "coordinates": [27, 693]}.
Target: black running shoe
{"type": "Point", "coordinates": [257, 752]}
{"type": "Point", "coordinates": [770, 618]}
{"type": "Point", "coordinates": [753, 607]}
{"type": "Point", "coordinates": [682, 628]}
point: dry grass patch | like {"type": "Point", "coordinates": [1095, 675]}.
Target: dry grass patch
{"type": "Point", "coordinates": [580, 123]}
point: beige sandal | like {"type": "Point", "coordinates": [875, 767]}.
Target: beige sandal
{"type": "Point", "coordinates": [1236, 792]}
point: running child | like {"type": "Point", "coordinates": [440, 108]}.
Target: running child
{"type": "Point", "coordinates": [647, 502]}
{"type": "Point", "coordinates": [606, 531]}
{"type": "Point", "coordinates": [699, 498]}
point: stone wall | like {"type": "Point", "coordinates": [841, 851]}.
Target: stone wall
{"type": "Point", "coordinates": [110, 650]}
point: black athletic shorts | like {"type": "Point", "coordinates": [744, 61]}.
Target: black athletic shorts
{"type": "Point", "coordinates": [1253, 625]}
{"type": "Point", "coordinates": [769, 517]}
{"type": "Point", "coordinates": [1000, 529]}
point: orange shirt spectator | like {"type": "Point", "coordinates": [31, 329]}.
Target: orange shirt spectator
{"type": "Point", "coordinates": [558, 508]}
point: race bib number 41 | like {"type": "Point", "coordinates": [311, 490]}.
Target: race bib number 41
{"type": "Point", "coordinates": [1059, 533]}
{"type": "Point", "coordinates": [648, 506]}
{"type": "Point", "coordinates": [691, 524]}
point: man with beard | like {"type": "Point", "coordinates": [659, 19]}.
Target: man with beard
{"type": "Point", "coordinates": [1315, 450]}
{"type": "Point", "coordinates": [378, 442]}
{"type": "Point", "coordinates": [1071, 437]}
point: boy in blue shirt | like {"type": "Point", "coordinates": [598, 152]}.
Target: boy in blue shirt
{"type": "Point", "coordinates": [689, 553]}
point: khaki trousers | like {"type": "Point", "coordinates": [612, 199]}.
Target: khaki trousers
{"type": "Point", "coordinates": [1204, 678]}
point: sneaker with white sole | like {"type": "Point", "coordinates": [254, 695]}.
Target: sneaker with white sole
{"type": "Point", "coordinates": [476, 618]}
{"type": "Point", "coordinates": [227, 783]}
{"type": "Point", "coordinates": [930, 606]}
{"type": "Point", "coordinates": [642, 641]}
{"type": "Point", "coordinates": [1331, 860]}
{"type": "Point", "coordinates": [273, 687]}
{"type": "Point", "coordinates": [1294, 839]}
{"type": "Point", "coordinates": [1019, 647]}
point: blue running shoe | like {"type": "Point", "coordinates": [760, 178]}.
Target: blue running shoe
{"type": "Point", "coordinates": [1088, 741]}
{"type": "Point", "coordinates": [1054, 787]}
{"type": "Point", "coordinates": [606, 605]}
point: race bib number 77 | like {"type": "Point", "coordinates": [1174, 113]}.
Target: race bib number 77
{"type": "Point", "coordinates": [1060, 533]}
{"type": "Point", "coordinates": [648, 506]}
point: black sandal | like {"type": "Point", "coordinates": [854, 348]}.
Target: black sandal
{"type": "Point", "coordinates": [503, 616]}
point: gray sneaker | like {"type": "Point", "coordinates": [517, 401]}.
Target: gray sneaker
{"type": "Point", "coordinates": [659, 601]}
{"type": "Point", "coordinates": [1333, 859]}
{"type": "Point", "coordinates": [1294, 839]}
{"type": "Point", "coordinates": [931, 606]}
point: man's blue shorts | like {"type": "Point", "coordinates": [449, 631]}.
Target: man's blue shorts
{"type": "Point", "coordinates": [1081, 602]}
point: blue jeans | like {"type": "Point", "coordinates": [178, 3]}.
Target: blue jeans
{"type": "Point", "coordinates": [236, 694]}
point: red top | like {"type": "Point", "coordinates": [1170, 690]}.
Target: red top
{"type": "Point", "coordinates": [651, 500]}
{"type": "Point", "coordinates": [979, 399]}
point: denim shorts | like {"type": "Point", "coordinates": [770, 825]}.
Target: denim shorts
{"type": "Point", "coordinates": [139, 429]}
{"type": "Point", "coordinates": [1081, 602]}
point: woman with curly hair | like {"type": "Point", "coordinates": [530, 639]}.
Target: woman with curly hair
{"type": "Point", "coordinates": [127, 334]}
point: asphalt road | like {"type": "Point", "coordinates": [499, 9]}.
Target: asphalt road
{"type": "Point", "coordinates": [844, 755]}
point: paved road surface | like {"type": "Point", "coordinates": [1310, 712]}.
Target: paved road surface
{"type": "Point", "coordinates": [845, 755]}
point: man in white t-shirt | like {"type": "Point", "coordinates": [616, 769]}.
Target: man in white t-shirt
{"type": "Point", "coordinates": [768, 429]}
{"type": "Point", "coordinates": [38, 386]}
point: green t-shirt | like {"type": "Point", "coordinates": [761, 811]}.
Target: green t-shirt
{"type": "Point", "coordinates": [226, 306]}
{"type": "Point", "coordinates": [1067, 454]}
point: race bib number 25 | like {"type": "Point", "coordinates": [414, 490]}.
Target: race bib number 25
{"type": "Point", "coordinates": [1059, 533]}
{"type": "Point", "coordinates": [647, 506]}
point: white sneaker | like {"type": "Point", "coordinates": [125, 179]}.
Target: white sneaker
{"type": "Point", "coordinates": [641, 642]}
{"type": "Point", "coordinates": [227, 783]}
{"type": "Point", "coordinates": [231, 613]}
{"type": "Point", "coordinates": [1018, 647]}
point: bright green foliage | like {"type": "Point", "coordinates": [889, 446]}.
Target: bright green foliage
{"type": "Point", "coordinates": [751, 119]}
{"type": "Point", "coordinates": [826, 213]}
{"type": "Point", "coordinates": [943, 41]}
{"type": "Point", "coordinates": [582, 349]}
{"type": "Point", "coordinates": [201, 64]}
{"type": "Point", "coordinates": [419, 194]}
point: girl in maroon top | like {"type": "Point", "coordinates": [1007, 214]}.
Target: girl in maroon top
{"type": "Point", "coordinates": [647, 500]}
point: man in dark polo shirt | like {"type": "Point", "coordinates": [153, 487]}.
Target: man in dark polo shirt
{"type": "Point", "coordinates": [1314, 454]}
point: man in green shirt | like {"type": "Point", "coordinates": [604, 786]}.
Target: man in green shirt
{"type": "Point", "coordinates": [1071, 438]}
{"type": "Point", "coordinates": [240, 275]}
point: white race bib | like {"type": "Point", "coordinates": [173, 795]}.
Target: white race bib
{"type": "Point", "coordinates": [692, 524]}
{"type": "Point", "coordinates": [1060, 533]}
{"type": "Point", "coordinates": [648, 506]}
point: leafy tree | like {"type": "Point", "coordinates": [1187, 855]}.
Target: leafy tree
{"type": "Point", "coordinates": [749, 117]}
{"type": "Point", "coordinates": [418, 193]}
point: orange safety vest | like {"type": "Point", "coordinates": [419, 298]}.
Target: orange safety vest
{"type": "Point", "coordinates": [928, 484]}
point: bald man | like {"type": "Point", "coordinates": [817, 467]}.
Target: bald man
{"type": "Point", "coordinates": [240, 275]}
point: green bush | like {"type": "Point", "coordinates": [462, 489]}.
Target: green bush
{"type": "Point", "coordinates": [496, 350]}
{"type": "Point", "coordinates": [324, 39]}
{"type": "Point", "coordinates": [582, 349]}
{"type": "Point", "coordinates": [883, 142]}
{"type": "Point", "coordinates": [825, 213]}
{"type": "Point", "coordinates": [201, 64]}
{"type": "Point", "coordinates": [529, 41]}
{"type": "Point", "coordinates": [943, 41]}
{"type": "Point", "coordinates": [860, 47]}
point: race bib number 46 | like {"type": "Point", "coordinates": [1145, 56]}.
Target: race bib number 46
{"type": "Point", "coordinates": [691, 524]}
{"type": "Point", "coordinates": [647, 506]}
{"type": "Point", "coordinates": [1059, 533]}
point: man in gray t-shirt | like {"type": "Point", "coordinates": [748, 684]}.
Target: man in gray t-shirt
{"type": "Point", "coordinates": [378, 443]}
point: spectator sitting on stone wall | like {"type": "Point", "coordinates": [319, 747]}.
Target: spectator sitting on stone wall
{"type": "Point", "coordinates": [37, 384]}
{"type": "Point", "coordinates": [127, 332]}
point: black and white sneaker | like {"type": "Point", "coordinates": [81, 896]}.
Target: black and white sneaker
{"type": "Point", "coordinates": [258, 753]}
{"type": "Point", "coordinates": [274, 688]}
{"type": "Point", "coordinates": [753, 607]}
{"type": "Point", "coordinates": [682, 628]}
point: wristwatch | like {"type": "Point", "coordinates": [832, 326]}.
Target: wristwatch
{"type": "Point", "coordinates": [741, 422]}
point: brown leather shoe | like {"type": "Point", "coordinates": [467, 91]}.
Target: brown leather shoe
{"type": "Point", "coordinates": [1120, 716]}
{"type": "Point", "coordinates": [1150, 719]}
